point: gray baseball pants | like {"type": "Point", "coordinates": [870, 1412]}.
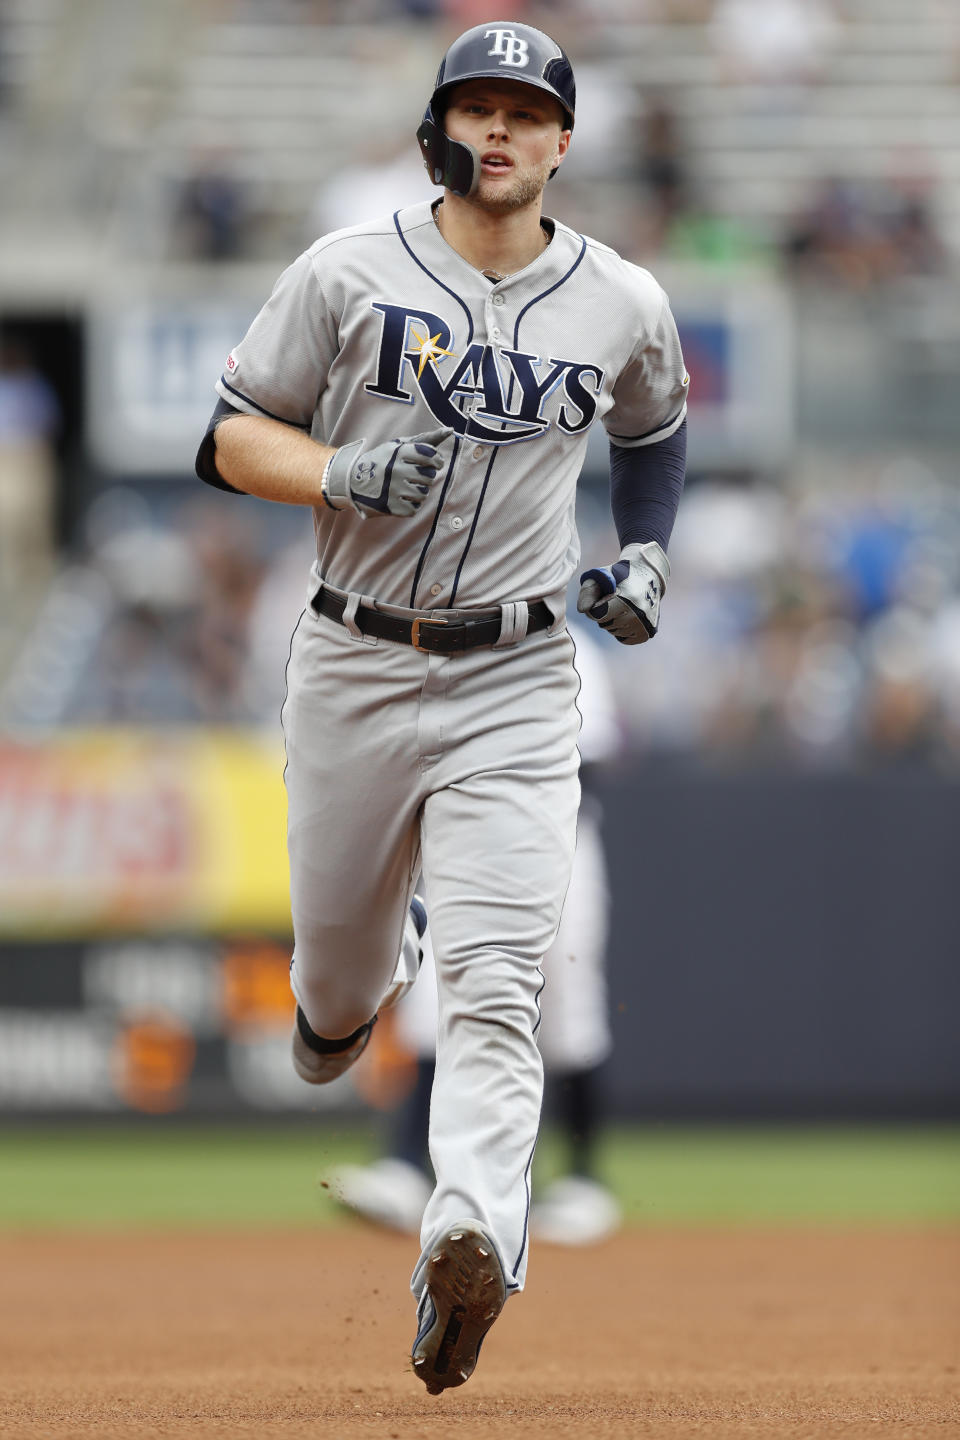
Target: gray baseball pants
{"type": "Point", "coordinates": [464, 766]}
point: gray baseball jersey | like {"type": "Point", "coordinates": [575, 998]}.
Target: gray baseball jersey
{"type": "Point", "coordinates": [383, 330]}
{"type": "Point", "coordinates": [462, 764]}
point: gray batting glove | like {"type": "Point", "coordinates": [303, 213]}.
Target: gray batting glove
{"type": "Point", "coordinates": [625, 599]}
{"type": "Point", "coordinates": [392, 478]}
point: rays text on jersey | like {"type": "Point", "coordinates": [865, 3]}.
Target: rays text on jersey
{"type": "Point", "coordinates": [497, 396]}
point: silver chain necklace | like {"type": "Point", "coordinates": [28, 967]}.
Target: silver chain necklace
{"type": "Point", "coordinates": [494, 275]}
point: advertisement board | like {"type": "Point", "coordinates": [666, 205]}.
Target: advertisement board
{"type": "Point", "coordinates": [167, 1026]}
{"type": "Point", "coordinates": [106, 831]}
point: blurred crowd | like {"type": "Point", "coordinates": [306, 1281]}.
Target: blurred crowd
{"type": "Point", "coordinates": [789, 133]}
{"type": "Point", "coordinates": [815, 623]}
{"type": "Point", "coordinates": [814, 612]}
{"type": "Point", "coordinates": [812, 623]}
{"type": "Point", "coordinates": [633, 175]}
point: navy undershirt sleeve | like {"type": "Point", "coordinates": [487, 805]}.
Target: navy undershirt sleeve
{"type": "Point", "coordinates": [206, 463]}
{"type": "Point", "coordinates": [646, 482]}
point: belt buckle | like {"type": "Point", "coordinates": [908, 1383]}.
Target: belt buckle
{"type": "Point", "coordinates": [415, 632]}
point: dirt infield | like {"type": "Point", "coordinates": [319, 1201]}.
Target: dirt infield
{"type": "Point", "coordinates": [657, 1333]}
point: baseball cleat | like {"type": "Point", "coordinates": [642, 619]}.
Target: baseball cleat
{"type": "Point", "coordinates": [319, 1061]}
{"type": "Point", "coordinates": [465, 1291]}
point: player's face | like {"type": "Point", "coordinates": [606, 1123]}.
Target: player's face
{"type": "Point", "coordinates": [518, 132]}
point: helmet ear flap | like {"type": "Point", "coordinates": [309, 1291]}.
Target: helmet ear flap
{"type": "Point", "coordinates": [448, 162]}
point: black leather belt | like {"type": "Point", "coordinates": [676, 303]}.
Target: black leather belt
{"type": "Point", "coordinates": [431, 633]}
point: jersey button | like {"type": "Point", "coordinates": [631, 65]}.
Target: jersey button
{"type": "Point", "coordinates": [498, 299]}
{"type": "Point", "coordinates": [478, 452]}
{"type": "Point", "coordinates": [456, 523]}
{"type": "Point", "coordinates": [495, 333]}
{"type": "Point", "coordinates": [435, 589]}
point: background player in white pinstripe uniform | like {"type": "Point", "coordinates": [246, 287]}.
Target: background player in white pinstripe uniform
{"type": "Point", "coordinates": [430, 717]}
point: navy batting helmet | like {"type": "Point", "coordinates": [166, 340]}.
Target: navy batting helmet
{"type": "Point", "coordinates": [501, 50]}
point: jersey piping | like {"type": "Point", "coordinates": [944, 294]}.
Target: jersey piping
{"type": "Point", "coordinates": [263, 411]}
{"type": "Point", "coordinates": [433, 528]}
{"type": "Point", "coordinates": [544, 293]}
{"type": "Point", "coordinates": [486, 479]}
{"type": "Point", "coordinates": [473, 525]}
{"type": "Point", "coordinates": [427, 271]}
{"type": "Point", "coordinates": [526, 1173]}
{"type": "Point", "coordinates": [443, 493]}
{"type": "Point", "coordinates": [647, 433]}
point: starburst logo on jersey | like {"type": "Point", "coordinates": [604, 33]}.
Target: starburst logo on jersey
{"type": "Point", "coordinates": [429, 349]}
{"type": "Point", "coordinates": [497, 396]}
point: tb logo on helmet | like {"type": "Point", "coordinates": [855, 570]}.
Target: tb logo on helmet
{"type": "Point", "coordinates": [509, 44]}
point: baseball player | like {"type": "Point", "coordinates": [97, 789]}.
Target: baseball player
{"type": "Point", "coordinates": [425, 382]}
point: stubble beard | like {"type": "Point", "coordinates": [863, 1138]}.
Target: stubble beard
{"type": "Point", "coordinates": [524, 190]}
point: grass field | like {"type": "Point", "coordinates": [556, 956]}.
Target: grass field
{"type": "Point", "coordinates": [128, 1178]}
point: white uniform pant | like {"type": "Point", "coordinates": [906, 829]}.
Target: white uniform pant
{"type": "Point", "coordinates": [466, 765]}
